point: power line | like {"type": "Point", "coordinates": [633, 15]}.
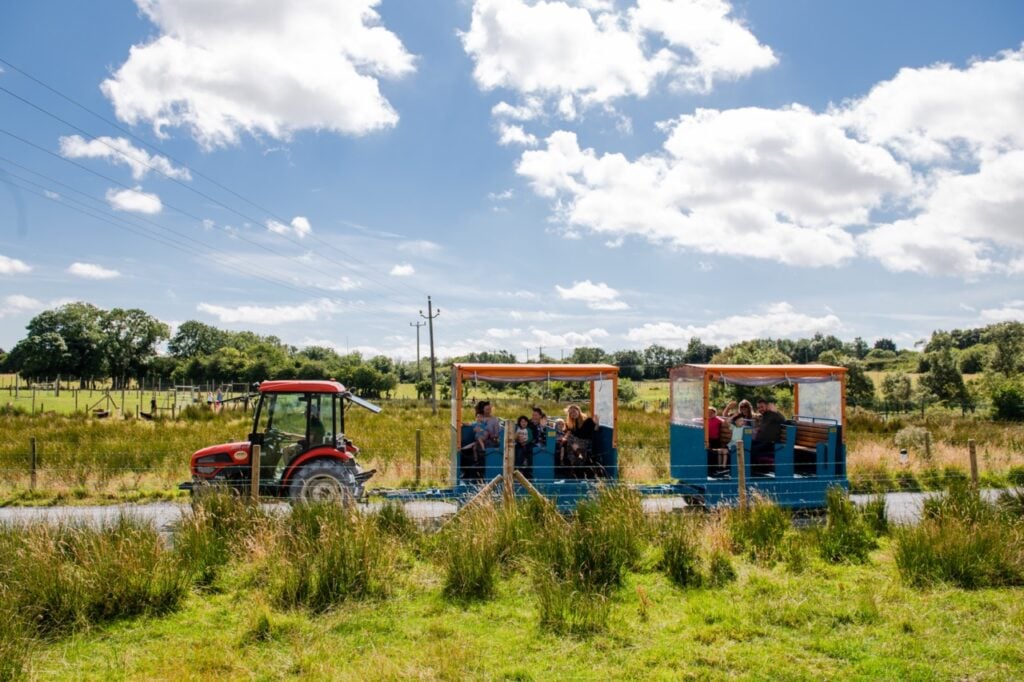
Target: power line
{"type": "Point", "coordinates": [275, 217]}
{"type": "Point", "coordinates": [107, 178]}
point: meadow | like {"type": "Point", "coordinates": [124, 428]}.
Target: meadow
{"type": "Point", "coordinates": [82, 459]}
{"type": "Point", "coordinates": [520, 593]}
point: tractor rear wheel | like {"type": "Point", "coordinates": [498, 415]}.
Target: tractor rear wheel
{"type": "Point", "coordinates": [324, 480]}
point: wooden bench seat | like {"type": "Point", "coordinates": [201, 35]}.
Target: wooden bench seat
{"type": "Point", "coordinates": [809, 434]}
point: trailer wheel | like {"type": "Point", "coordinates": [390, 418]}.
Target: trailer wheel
{"type": "Point", "coordinates": [324, 480]}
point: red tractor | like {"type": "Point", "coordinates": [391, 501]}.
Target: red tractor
{"type": "Point", "coordinates": [304, 454]}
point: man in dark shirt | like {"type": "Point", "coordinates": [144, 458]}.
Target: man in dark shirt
{"type": "Point", "coordinates": [766, 435]}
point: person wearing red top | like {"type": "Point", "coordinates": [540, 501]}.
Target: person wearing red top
{"type": "Point", "coordinates": [715, 424]}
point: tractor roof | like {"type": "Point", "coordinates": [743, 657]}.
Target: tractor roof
{"type": "Point", "coordinates": [299, 386]}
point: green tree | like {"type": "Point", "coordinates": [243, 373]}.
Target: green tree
{"type": "Point", "coordinates": [896, 388]}
{"type": "Point", "coordinates": [943, 379]}
{"type": "Point", "coordinates": [630, 364]}
{"type": "Point", "coordinates": [79, 353]}
{"type": "Point", "coordinates": [130, 338]}
{"type": "Point", "coordinates": [698, 352]}
{"type": "Point", "coordinates": [1007, 341]}
{"type": "Point", "coordinates": [885, 344]}
{"type": "Point", "coordinates": [588, 356]}
{"type": "Point", "coordinates": [194, 338]}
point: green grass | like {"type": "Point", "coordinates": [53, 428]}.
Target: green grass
{"type": "Point", "coordinates": [830, 622]}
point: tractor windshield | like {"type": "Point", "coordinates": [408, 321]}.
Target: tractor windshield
{"type": "Point", "coordinates": [281, 422]}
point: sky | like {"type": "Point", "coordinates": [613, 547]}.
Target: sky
{"type": "Point", "coordinates": [555, 174]}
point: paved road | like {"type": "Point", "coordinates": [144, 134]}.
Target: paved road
{"type": "Point", "coordinates": [901, 507]}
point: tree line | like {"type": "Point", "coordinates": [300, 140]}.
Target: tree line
{"type": "Point", "coordinates": [91, 344]}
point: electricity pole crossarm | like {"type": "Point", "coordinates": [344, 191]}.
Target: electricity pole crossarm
{"type": "Point", "coordinates": [429, 317]}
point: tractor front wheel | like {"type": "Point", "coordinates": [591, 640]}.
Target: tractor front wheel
{"type": "Point", "coordinates": [324, 481]}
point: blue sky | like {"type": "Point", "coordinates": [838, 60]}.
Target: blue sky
{"type": "Point", "coordinates": [556, 174]}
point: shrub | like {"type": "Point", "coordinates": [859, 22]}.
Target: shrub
{"type": "Point", "coordinates": [1016, 476]}
{"type": "Point", "coordinates": [846, 537]}
{"type": "Point", "coordinates": [758, 529]}
{"type": "Point", "coordinates": [325, 554]}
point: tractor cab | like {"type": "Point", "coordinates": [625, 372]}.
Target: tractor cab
{"type": "Point", "coordinates": [304, 454]}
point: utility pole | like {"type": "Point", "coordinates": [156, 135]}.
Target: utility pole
{"type": "Point", "coordinates": [429, 317]}
{"type": "Point", "coordinates": [540, 353]}
{"type": "Point", "coordinates": [419, 368]}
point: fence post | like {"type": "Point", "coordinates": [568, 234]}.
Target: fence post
{"type": "Point", "coordinates": [32, 477]}
{"type": "Point", "coordinates": [508, 463]}
{"type": "Point", "coordinates": [741, 463]}
{"type": "Point", "coordinates": [927, 446]}
{"type": "Point", "coordinates": [974, 462]}
{"type": "Point", "coordinates": [418, 458]}
{"type": "Point", "coordinates": [255, 493]}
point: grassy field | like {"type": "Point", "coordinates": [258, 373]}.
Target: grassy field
{"type": "Point", "coordinates": [669, 598]}
{"type": "Point", "coordinates": [81, 459]}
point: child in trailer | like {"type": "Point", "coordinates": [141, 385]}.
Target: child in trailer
{"type": "Point", "coordinates": [525, 438]}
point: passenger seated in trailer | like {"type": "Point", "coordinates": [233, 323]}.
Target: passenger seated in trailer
{"type": "Point", "coordinates": [559, 447]}
{"type": "Point", "coordinates": [539, 422]}
{"type": "Point", "coordinates": [485, 434]}
{"type": "Point", "coordinates": [767, 433]}
{"type": "Point", "coordinates": [578, 459]}
{"type": "Point", "coordinates": [525, 439]}
{"type": "Point", "coordinates": [716, 437]}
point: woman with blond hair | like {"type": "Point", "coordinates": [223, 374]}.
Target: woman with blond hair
{"type": "Point", "coordinates": [578, 443]}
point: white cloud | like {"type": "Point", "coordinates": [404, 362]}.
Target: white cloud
{"type": "Point", "coordinates": [515, 135]}
{"type": "Point", "coordinates": [118, 150]}
{"type": "Point", "coordinates": [774, 184]}
{"type": "Point", "coordinates": [16, 304]}
{"type": "Point", "coordinates": [598, 296]}
{"type": "Point", "coordinates": [134, 201]}
{"type": "Point", "coordinates": [272, 315]}
{"type": "Point", "coordinates": [584, 53]}
{"type": "Point", "coordinates": [402, 270]}
{"type": "Point", "coordinates": [925, 174]}
{"type": "Point", "coordinates": [939, 112]}
{"type": "Point", "coordinates": [1012, 311]}
{"type": "Point", "coordinates": [501, 196]}
{"type": "Point", "coordinates": [13, 266]}
{"type": "Point", "coordinates": [778, 320]}
{"type": "Point", "coordinates": [51, 194]}
{"type": "Point", "coordinates": [532, 108]}
{"type": "Point", "coordinates": [542, 337]}
{"type": "Point", "coordinates": [266, 67]}
{"type": "Point", "coordinates": [419, 246]}
{"type": "Point", "coordinates": [299, 226]}
{"type": "Point", "coordinates": [92, 271]}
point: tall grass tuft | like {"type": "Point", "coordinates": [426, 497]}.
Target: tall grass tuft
{"type": "Point", "coordinates": [577, 564]}
{"type": "Point", "coordinates": [875, 515]}
{"type": "Point", "coordinates": [60, 578]}
{"type": "Point", "coordinates": [964, 540]}
{"type": "Point", "coordinates": [469, 550]}
{"type": "Point", "coordinates": [680, 546]}
{"type": "Point", "coordinates": [15, 640]}
{"type": "Point", "coordinates": [325, 554]}
{"type": "Point", "coordinates": [392, 519]}
{"type": "Point", "coordinates": [846, 536]}
{"type": "Point", "coordinates": [206, 536]}
{"type": "Point", "coordinates": [758, 530]}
